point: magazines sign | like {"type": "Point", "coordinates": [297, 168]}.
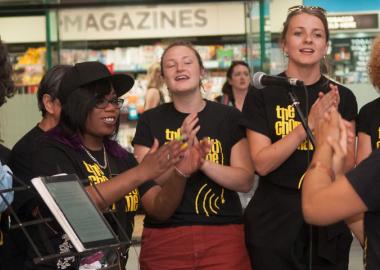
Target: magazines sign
{"type": "Point", "coordinates": [134, 22]}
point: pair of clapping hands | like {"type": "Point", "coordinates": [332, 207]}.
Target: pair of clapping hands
{"type": "Point", "coordinates": [185, 154]}
{"type": "Point", "coordinates": [334, 131]}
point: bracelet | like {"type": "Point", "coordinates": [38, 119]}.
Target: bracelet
{"type": "Point", "coordinates": [323, 167]}
{"type": "Point", "coordinates": [181, 173]}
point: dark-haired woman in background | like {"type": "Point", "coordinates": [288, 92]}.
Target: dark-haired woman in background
{"type": "Point", "coordinates": [277, 235]}
{"type": "Point", "coordinates": [237, 85]}
{"type": "Point", "coordinates": [235, 89]}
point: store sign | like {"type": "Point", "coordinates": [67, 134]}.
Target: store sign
{"type": "Point", "coordinates": [131, 22]}
{"type": "Point", "coordinates": [23, 29]}
{"type": "Point", "coordinates": [358, 21]}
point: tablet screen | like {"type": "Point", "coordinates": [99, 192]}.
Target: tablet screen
{"type": "Point", "coordinates": [88, 223]}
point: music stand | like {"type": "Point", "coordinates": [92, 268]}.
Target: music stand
{"type": "Point", "coordinates": [43, 258]}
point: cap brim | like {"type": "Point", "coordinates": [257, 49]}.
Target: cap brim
{"type": "Point", "coordinates": [122, 83]}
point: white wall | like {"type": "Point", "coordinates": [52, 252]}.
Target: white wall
{"type": "Point", "coordinates": [278, 10]}
{"type": "Point", "coordinates": [22, 29]}
{"type": "Point", "coordinates": [364, 93]}
{"type": "Point", "coordinates": [17, 116]}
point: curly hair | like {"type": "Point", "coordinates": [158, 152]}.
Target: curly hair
{"type": "Point", "coordinates": [6, 82]}
{"type": "Point", "coordinates": [374, 64]}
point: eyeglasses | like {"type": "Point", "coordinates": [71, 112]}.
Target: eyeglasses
{"type": "Point", "coordinates": [302, 8]}
{"type": "Point", "coordinates": [102, 103]}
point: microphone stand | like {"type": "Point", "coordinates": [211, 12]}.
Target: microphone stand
{"type": "Point", "coordinates": [296, 104]}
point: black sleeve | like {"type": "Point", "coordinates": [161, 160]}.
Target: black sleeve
{"type": "Point", "coordinates": [350, 106]}
{"type": "Point", "coordinates": [365, 179]}
{"type": "Point", "coordinates": [363, 124]}
{"type": "Point", "coordinates": [238, 131]}
{"type": "Point", "coordinates": [254, 112]}
{"type": "Point", "coordinates": [50, 160]}
{"type": "Point", "coordinates": [4, 154]}
{"type": "Point", "coordinates": [132, 162]}
{"type": "Point", "coordinates": [143, 135]}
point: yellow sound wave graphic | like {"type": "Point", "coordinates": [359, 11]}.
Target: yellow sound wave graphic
{"type": "Point", "coordinates": [209, 200]}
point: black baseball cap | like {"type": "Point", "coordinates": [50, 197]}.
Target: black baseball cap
{"type": "Point", "coordinates": [87, 72]}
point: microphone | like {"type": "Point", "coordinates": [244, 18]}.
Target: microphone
{"type": "Point", "coordinates": [261, 80]}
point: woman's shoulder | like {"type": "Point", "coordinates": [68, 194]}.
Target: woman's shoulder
{"type": "Point", "coordinates": [373, 105]}
{"type": "Point", "coordinates": [158, 111]}
{"type": "Point", "coordinates": [341, 87]}
{"type": "Point", "coordinates": [217, 107]}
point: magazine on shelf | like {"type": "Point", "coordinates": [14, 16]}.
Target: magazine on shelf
{"type": "Point", "coordinates": [73, 209]}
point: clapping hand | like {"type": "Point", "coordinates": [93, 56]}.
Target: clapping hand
{"type": "Point", "coordinates": [336, 132]}
{"type": "Point", "coordinates": [195, 150]}
{"type": "Point", "coordinates": [160, 159]}
{"type": "Point", "coordinates": [324, 103]}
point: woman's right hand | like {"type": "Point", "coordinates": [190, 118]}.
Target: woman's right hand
{"type": "Point", "coordinates": [323, 104]}
{"type": "Point", "coordinates": [195, 151]}
{"type": "Point", "coordinates": [160, 159]}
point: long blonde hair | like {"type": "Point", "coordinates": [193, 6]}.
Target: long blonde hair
{"type": "Point", "coordinates": [153, 82]}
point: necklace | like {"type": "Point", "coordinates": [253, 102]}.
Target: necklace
{"type": "Point", "coordinates": [95, 160]}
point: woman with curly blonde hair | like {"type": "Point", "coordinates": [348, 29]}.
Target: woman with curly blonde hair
{"type": "Point", "coordinates": [368, 123]}
{"type": "Point", "coordinates": [154, 95]}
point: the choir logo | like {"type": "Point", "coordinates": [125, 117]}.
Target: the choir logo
{"type": "Point", "coordinates": [286, 123]}
{"type": "Point", "coordinates": [208, 200]}
{"type": "Point", "coordinates": [96, 176]}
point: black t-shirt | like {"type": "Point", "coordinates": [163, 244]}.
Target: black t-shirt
{"type": "Point", "coordinates": [269, 112]}
{"type": "Point", "coordinates": [55, 157]}
{"type": "Point", "coordinates": [4, 154]}
{"type": "Point", "coordinates": [369, 122]}
{"type": "Point", "coordinates": [21, 164]}
{"type": "Point", "coordinates": [365, 179]}
{"type": "Point", "coordinates": [204, 201]}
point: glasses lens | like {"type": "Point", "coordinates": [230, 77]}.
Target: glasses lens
{"type": "Point", "coordinates": [101, 103]}
{"type": "Point", "coordinates": [118, 102]}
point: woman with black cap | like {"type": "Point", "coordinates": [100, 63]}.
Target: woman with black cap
{"type": "Point", "coordinates": [83, 143]}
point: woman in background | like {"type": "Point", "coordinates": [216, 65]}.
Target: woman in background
{"type": "Point", "coordinates": [277, 235]}
{"type": "Point", "coordinates": [369, 115]}
{"type": "Point", "coordinates": [237, 85]}
{"type": "Point", "coordinates": [154, 95]}
{"type": "Point", "coordinates": [235, 89]}
{"type": "Point", "coordinates": [369, 123]}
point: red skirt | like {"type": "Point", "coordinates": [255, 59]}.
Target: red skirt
{"type": "Point", "coordinates": [194, 247]}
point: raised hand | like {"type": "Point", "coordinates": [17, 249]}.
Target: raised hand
{"type": "Point", "coordinates": [335, 131]}
{"type": "Point", "coordinates": [324, 103]}
{"type": "Point", "coordinates": [195, 150]}
{"type": "Point", "coordinates": [189, 128]}
{"type": "Point", "coordinates": [194, 157]}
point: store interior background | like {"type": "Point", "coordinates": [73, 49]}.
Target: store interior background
{"type": "Point", "coordinates": [130, 35]}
